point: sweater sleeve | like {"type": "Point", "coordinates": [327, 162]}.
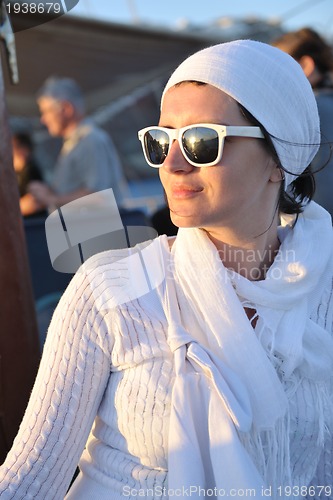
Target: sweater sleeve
{"type": "Point", "coordinates": [71, 380]}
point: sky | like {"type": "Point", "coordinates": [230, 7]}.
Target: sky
{"type": "Point", "coordinates": [294, 14]}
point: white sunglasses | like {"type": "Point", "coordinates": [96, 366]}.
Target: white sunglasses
{"type": "Point", "coordinates": [201, 144]}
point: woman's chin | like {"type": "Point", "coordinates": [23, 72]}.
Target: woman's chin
{"type": "Point", "coordinates": [184, 219]}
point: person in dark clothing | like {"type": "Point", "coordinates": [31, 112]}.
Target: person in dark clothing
{"type": "Point", "coordinates": [26, 170]}
{"type": "Point", "coordinates": [161, 221]}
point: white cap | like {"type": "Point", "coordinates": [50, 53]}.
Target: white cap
{"type": "Point", "coordinates": [271, 85]}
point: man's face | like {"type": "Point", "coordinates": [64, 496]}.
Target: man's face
{"type": "Point", "coordinates": [54, 115]}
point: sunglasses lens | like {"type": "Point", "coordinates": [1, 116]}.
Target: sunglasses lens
{"type": "Point", "coordinates": [201, 144]}
{"type": "Point", "coordinates": [156, 146]}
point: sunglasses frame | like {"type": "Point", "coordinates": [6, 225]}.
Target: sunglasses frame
{"type": "Point", "coordinates": [221, 130]}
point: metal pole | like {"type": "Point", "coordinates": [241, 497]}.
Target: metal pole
{"type": "Point", "coordinates": [19, 346]}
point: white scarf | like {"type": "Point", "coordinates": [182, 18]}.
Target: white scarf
{"type": "Point", "coordinates": [227, 399]}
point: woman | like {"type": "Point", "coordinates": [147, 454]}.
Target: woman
{"type": "Point", "coordinates": [315, 56]}
{"type": "Point", "coordinates": [205, 361]}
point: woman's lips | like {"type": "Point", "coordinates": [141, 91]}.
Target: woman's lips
{"type": "Point", "coordinates": [185, 191]}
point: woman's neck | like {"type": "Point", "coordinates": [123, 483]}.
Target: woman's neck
{"type": "Point", "coordinates": [250, 257]}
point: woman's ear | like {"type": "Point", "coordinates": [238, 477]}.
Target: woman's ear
{"type": "Point", "coordinates": [277, 174]}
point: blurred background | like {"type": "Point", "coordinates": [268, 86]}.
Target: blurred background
{"type": "Point", "coordinates": [121, 53]}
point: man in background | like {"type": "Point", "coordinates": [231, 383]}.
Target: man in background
{"type": "Point", "coordinates": [315, 56]}
{"type": "Point", "coordinates": [88, 161]}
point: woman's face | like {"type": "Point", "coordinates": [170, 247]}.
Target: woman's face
{"type": "Point", "coordinates": [240, 193]}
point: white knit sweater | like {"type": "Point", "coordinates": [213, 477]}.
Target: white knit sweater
{"type": "Point", "coordinates": [110, 369]}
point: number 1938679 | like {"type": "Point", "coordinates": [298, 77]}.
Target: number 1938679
{"type": "Point", "coordinates": [34, 8]}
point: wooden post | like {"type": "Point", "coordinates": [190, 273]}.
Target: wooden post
{"type": "Point", "coordinates": [19, 347]}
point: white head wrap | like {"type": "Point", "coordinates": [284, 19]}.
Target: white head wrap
{"type": "Point", "coordinates": [271, 86]}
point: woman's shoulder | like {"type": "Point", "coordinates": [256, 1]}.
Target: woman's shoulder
{"type": "Point", "coordinates": [321, 299]}
{"type": "Point", "coordinates": [110, 260]}
{"type": "Point", "coordinates": [122, 275]}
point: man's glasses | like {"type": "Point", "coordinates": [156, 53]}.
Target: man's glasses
{"type": "Point", "coordinates": [201, 144]}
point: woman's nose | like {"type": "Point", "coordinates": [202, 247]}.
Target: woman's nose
{"type": "Point", "coordinates": [175, 161]}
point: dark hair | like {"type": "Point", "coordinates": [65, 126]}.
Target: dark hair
{"type": "Point", "coordinates": [23, 139]}
{"type": "Point", "coordinates": [306, 42]}
{"type": "Point", "coordinates": [301, 190]}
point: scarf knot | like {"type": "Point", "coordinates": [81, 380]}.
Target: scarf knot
{"type": "Point", "coordinates": [177, 336]}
